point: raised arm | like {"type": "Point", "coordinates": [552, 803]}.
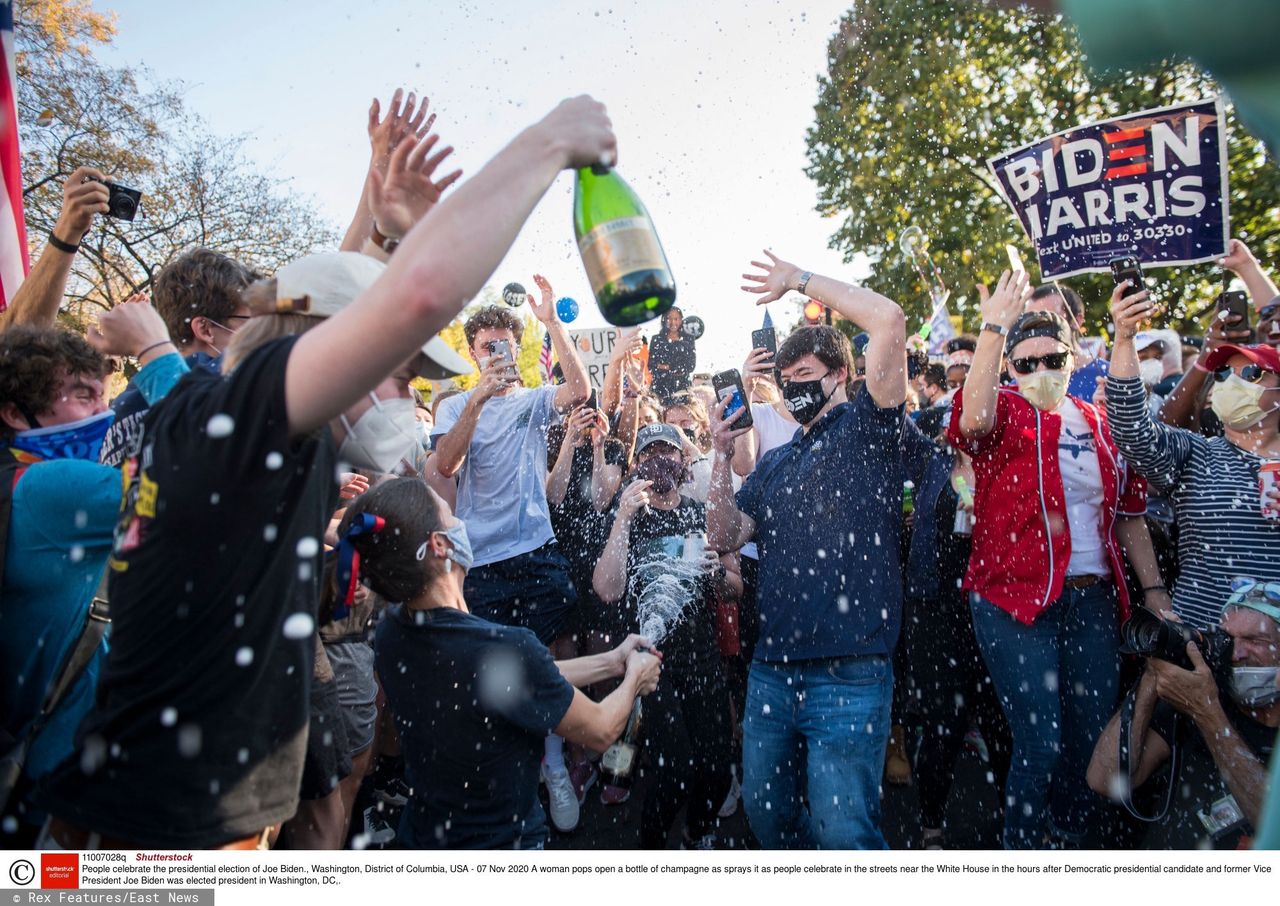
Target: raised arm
{"type": "Point", "coordinates": [610, 577]}
{"type": "Point", "coordinates": [575, 426]}
{"type": "Point", "coordinates": [39, 297]}
{"type": "Point", "coordinates": [728, 528]}
{"type": "Point", "coordinates": [1182, 407]}
{"type": "Point", "coordinates": [628, 342]}
{"type": "Point", "coordinates": [576, 388]}
{"type": "Point", "coordinates": [442, 263]}
{"type": "Point", "coordinates": [451, 447]}
{"type": "Point", "coordinates": [1241, 262]}
{"type": "Point", "coordinates": [881, 318]}
{"type": "Point", "coordinates": [1001, 309]}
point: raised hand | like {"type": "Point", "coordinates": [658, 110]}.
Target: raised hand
{"type": "Point", "coordinates": [1008, 300]}
{"type": "Point", "coordinates": [579, 423]}
{"type": "Point", "coordinates": [1128, 312]}
{"type": "Point", "coordinates": [83, 195]}
{"type": "Point", "coordinates": [404, 194]}
{"type": "Point", "coordinates": [758, 364]}
{"type": "Point", "coordinates": [634, 498]}
{"type": "Point", "coordinates": [723, 435]}
{"type": "Point", "coordinates": [544, 311]}
{"type": "Point", "coordinates": [1224, 329]}
{"type": "Point", "coordinates": [385, 134]}
{"type": "Point", "coordinates": [581, 132]}
{"type": "Point", "coordinates": [1238, 257]}
{"type": "Point", "coordinates": [779, 276]}
{"type": "Point", "coordinates": [129, 328]}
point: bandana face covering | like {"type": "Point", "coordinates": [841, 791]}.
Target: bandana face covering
{"type": "Point", "coordinates": [74, 440]}
{"type": "Point", "coordinates": [663, 472]}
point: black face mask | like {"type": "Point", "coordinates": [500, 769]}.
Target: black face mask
{"type": "Point", "coordinates": [663, 472]}
{"type": "Point", "coordinates": [805, 399]}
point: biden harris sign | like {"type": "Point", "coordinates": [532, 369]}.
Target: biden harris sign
{"type": "Point", "coordinates": [1152, 185]}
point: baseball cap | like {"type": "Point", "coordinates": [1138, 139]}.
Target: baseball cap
{"type": "Point", "coordinates": [1145, 338]}
{"type": "Point", "coordinates": [659, 433]}
{"type": "Point", "coordinates": [322, 285]}
{"type": "Point", "coordinates": [1262, 354]}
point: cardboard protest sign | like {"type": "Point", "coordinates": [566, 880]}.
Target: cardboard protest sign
{"type": "Point", "coordinates": [594, 348]}
{"type": "Point", "coordinates": [1151, 184]}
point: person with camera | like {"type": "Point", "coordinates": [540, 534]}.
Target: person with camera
{"type": "Point", "coordinates": [36, 303]}
{"type": "Point", "coordinates": [824, 511]}
{"type": "Point", "coordinates": [1226, 527]}
{"type": "Point", "coordinates": [648, 559]}
{"type": "Point", "coordinates": [672, 356]}
{"type": "Point", "coordinates": [494, 440]}
{"type": "Point", "coordinates": [1212, 697]}
{"type": "Point", "coordinates": [1056, 513]}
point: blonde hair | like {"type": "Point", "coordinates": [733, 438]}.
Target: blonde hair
{"type": "Point", "coordinates": [265, 326]}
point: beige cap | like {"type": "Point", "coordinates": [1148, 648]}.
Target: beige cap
{"type": "Point", "coordinates": [322, 285]}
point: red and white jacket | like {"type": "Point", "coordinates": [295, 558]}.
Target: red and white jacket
{"type": "Point", "coordinates": [1021, 537]}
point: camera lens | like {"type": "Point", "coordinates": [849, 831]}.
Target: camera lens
{"type": "Point", "coordinates": [123, 207]}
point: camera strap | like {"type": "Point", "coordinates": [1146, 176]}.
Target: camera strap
{"type": "Point", "coordinates": [1126, 745]}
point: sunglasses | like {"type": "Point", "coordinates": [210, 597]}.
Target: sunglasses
{"type": "Point", "coordinates": [1250, 373]}
{"type": "Point", "coordinates": [1269, 312]}
{"type": "Point", "coordinates": [1054, 361]}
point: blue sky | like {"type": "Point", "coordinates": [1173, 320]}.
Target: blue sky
{"type": "Point", "coordinates": [710, 102]}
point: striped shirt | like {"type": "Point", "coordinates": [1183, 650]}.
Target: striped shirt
{"type": "Point", "coordinates": [1213, 485]}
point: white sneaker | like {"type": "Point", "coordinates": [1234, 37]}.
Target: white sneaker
{"type": "Point", "coordinates": [378, 831]}
{"type": "Point", "coordinates": [730, 806]}
{"type": "Point", "coordinates": [564, 801]}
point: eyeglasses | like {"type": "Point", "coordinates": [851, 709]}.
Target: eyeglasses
{"type": "Point", "coordinates": [859, 372]}
{"type": "Point", "coordinates": [1250, 373]}
{"type": "Point", "coordinates": [1269, 312]}
{"type": "Point", "coordinates": [1054, 361]}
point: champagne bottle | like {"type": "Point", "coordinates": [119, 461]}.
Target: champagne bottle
{"type": "Point", "coordinates": [628, 270]}
{"type": "Point", "coordinates": [619, 762]}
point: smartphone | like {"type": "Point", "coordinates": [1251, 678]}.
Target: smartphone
{"type": "Point", "coordinates": [728, 385]}
{"type": "Point", "coordinates": [501, 349]}
{"type": "Point", "coordinates": [593, 401]}
{"type": "Point", "coordinates": [1127, 268]}
{"type": "Point", "coordinates": [765, 338]}
{"type": "Point", "coordinates": [1236, 302]}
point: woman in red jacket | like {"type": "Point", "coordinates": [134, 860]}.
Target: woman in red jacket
{"type": "Point", "coordinates": [1055, 506]}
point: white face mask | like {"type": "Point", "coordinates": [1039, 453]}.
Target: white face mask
{"type": "Point", "coordinates": [1044, 389]}
{"type": "Point", "coordinates": [1238, 403]}
{"type": "Point", "coordinates": [383, 438]}
{"type": "Point", "coordinates": [1151, 371]}
{"type": "Point", "coordinates": [1254, 687]}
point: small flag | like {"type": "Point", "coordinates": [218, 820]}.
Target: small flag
{"type": "Point", "coordinates": [545, 359]}
{"type": "Point", "coordinates": [768, 321]}
{"type": "Point", "coordinates": [940, 330]}
{"type": "Point", "coordinates": [14, 263]}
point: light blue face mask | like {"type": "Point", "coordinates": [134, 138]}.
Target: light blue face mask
{"type": "Point", "coordinates": [461, 551]}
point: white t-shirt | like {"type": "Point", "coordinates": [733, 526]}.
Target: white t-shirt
{"type": "Point", "coordinates": [502, 488]}
{"type": "Point", "coordinates": [1082, 484]}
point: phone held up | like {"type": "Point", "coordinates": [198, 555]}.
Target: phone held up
{"type": "Point", "coordinates": [1128, 268]}
{"type": "Point", "coordinates": [728, 385]}
{"type": "Point", "coordinates": [765, 338]}
{"type": "Point", "coordinates": [1235, 302]}
{"type": "Point", "coordinates": [501, 349]}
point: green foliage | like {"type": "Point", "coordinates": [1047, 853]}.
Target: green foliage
{"type": "Point", "coordinates": [919, 93]}
{"type": "Point", "coordinates": [530, 343]}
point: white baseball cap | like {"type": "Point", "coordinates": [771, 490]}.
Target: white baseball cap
{"type": "Point", "coordinates": [323, 284]}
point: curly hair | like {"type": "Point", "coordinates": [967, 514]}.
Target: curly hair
{"type": "Point", "coordinates": [35, 360]}
{"type": "Point", "coordinates": [493, 317]}
{"type": "Point", "coordinates": [199, 283]}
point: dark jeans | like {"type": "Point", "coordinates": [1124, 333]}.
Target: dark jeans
{"type": "Point", "coordinates": [688, 739]}
{"type": "Point", "coordinates": [950, 689]}
{"type": "Point", "coordinates": [1058, 680]}
{"type": "Point", "coordinates": [531, 590]}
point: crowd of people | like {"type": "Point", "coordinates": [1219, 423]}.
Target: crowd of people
{"type": "Point", "coordinates": [272, 595]}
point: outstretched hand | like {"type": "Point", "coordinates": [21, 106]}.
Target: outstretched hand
{"type": "Point", "coordinates": [404, 194]}
{"type": "Point", "coordinates": [779, 277]}
{"type": "Point", "coordinates": [545, 310]}
{"type": "Point", "coordinates": [1008, 300]}
{"type": "Point", "coordinates": [385, 134]}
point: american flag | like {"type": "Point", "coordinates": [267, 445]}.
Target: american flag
{"type": "Point", "coordinates": [545, 359]}
{"type": "Point", "coordinates": [14, 262]}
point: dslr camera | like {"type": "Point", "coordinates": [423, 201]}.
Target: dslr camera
{"type": "Point", "coordinates": [123, 201]}
{"type": "Point", "coordinates": [1146, 634]}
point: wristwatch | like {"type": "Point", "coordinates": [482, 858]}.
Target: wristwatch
{"type": "Point", "coordinates": [804, 282]}
{"type": "Point", "coordinates": [386, 243]}
{"type": "Point", "coordinates": [995, 328]}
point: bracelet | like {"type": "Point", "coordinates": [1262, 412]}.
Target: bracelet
{"type": "Point", "coordinates": [995, 328]}
{"type": "Point", "coordinates": [386, 243]}
{"type": "Point", "coordinates": [804, 282]}
{"type": "Point", "coordinates": [153, 346]}
{"type": "Point", "coordinates": [60, 245]}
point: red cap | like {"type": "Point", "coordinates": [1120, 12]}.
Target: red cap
{"type": "Point", "coordinates": [1262, 354]}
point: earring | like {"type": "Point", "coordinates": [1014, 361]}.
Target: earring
{"type": "Point", "coordinates": [448, 565]}
{"type": "Point", "coordinates": [422, 551]}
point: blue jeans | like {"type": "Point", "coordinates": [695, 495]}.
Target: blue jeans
{"type": "Point", "coordinates": [1057, 680]}
{"type": "Point", "coordinates": [838, 710]}
{"type": "Point", "coordinates": [532, 590]}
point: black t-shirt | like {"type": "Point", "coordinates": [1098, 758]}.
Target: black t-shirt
{"type": "Point", "coordinates": [1201, 814]}
{"type": "Point", "coordinates": [199, 729]}
{"type": "Point", "coordinates": [656, 539]}
{"type": "Point", "coordinates": [679, 357]}
{"type": "Point", "coordinates": [473, 702]}
{"type": "Point", "coordinates": [580, 530]}
{"type": "Point", "coordinates": [131, 408]}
